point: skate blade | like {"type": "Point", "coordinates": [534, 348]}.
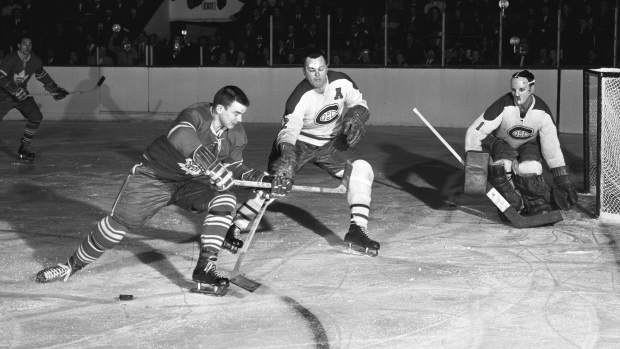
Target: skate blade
{"type": "Point", "coordinates": [360, 251]}
{"type": "Point", "coordinates": [245, 283]}
{"type": "Point", "coordinates": [215, 292]}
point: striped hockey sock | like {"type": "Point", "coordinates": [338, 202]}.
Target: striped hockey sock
{"type": "Point", "coordinates": [359, 214]}
{"type": "Point", "coordinates": [106, 235]}
{"type": "Point", "coordinates": [29, 132]}
{"type": "Point", "coordinates": [217, 222]}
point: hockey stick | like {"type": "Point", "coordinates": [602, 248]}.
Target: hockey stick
{"type": "Point", "coordinates": [498, 200]}
{"type": "Point", "coordinates": [236, 277]}
{"type": "Point", "coordinates": [340, 189]}
{"type": "Point", "coordinates": [99, 83]}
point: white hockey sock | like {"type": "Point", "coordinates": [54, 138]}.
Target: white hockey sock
{"type": "Point", "coordinates": [359, 192]}
{"type": "Point", "coordinates": [248, 210]}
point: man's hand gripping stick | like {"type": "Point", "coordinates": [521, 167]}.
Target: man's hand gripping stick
{"type": "Point", "coordinates": [497, 199]}
{"type": "Point", "coordinates": [340, 189]}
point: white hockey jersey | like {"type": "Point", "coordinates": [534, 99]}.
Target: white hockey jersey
{"type": "Point", "coordinates": [503, 120]}
{"type": "Point", "coordinates": [316, 118]}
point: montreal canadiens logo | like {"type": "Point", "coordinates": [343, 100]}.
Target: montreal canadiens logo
{"type": "Point", "coordinates": [521, 132]}
{"type": "Point", "coordinates": [327, 114]}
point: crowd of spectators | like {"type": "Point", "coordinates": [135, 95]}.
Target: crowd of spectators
{"type": "Point", "coordinates": [82, 32]}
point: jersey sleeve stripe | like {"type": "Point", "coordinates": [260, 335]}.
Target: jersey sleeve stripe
{"type": "Point", "coordinates": [183, 124]}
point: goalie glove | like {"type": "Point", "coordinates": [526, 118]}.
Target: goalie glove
{"type": "Point", "coordinates": [17, 91]}
{"type": "Point", "coordinates": [218, 174]}
{"type": "Point", "coordinates": [286, 164]}
{"type": "Point", "coordinates": [564, 194]}
{"type": "Point", "coordinates": [57, 92]}
{"type": "Point", "coordinates": [353, 124]}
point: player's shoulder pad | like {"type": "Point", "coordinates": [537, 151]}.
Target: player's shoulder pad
{"type": "Point", "coordinates": [201, 110]}
{"type": "Point", "coordinates": [539, 104]}
{"type": "Point", "coordinates": [498, 106]}
{"type": "Point", "coordinates": [302, 88]}
{"type": "Point", "coordinates": [334, 76]}
{"type": "Point", "coordinates": [237, 135]}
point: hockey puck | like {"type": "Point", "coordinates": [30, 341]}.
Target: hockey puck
{"type": "Point", "coordinates": [126, 297]}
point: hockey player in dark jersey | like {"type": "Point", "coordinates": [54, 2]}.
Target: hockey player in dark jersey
{"type": "Point", "coordinates": [315, 130]}
{"type": "Point", "coordinates": [193, 167]}
{"type": "Point", "coordinates": [522, 132]}
{"type": "Point", "coordinates": [15, 71]}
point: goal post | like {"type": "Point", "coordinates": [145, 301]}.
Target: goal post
{"type": "Point", "coordinates": [601, 140]}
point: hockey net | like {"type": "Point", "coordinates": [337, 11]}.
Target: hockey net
{"type": "Point", "coordinates": [602, 140]}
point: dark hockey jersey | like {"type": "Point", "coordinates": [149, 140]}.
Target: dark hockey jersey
{"type": "Point", "coordinates": [171, 156]}
{"type": "Point", "coordinates": [20, 71]}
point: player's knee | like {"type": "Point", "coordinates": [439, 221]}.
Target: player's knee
{"type": "Point", "coordinates": [35, 117]}
{"type": "Point", "coordinates": [527, 168]}
{"type": "Point", "coordinates": [362, 170]}
{"type": "Point", "coordinates": [222, 205]}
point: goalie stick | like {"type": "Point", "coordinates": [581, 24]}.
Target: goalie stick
{"type": "Point", "coordinates": [236, 277]}
{"type": "Point", "coordinates": [340, 189]}
{"type": "Point", "coordinates": [498, 200]}
{"type": "Point", "coordinates": [99, 83]}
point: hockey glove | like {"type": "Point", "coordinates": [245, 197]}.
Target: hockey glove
{"type": "Point", "coordinates": [286, 164]}
{"type": "Point", "coordinates": [18, 92]}
{"type": "Point", "coordinates": [564, 194]}
{"type": "Point", "coordinates": [57, 92]}
{"type": "Point", "coordinates": [218, 174]}
{"type": "Point", "coordinates": [280, 186]}
{"type": "Point", "coordinates": [353, 124]}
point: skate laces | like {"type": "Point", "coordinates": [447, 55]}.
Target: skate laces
{"type": "Point", "coordinates": [58, 271]}
{"type": "Point", "coordinates": [211, 266]}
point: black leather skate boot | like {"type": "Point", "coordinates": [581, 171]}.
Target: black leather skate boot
{"type": "Point", "coordinates": [24, 154]}
{"type": "Point", "coordinates": [207, 277]}
{"type": "Point", "coordinates": [358, 241]}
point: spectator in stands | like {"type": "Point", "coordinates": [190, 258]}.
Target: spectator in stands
{"type": "Point", "coordinates": [50, 58]}
{"type": "Point", "coordinates": [339, 27]}
{"type": "Point", "coordinates": [431, 59]}
{"type": "Point", "coordinates": [583, 42]}
{"type": "Point", "coordinates": [450, 56]}
{"type": "Point", "coordinates": [102, 59]}
{"type": "Point", "coordinates": [291, 59]}
{"type": "Point", "coordinates": [413, 50]}
{"type": "Point", "coordinates": [543, 58]}
{"type": "Point", "coordinates": [475, 58]}
{"type": "Point", "coordinates": [140, 46]}
{"type": "Point", "coordinates": [279, 23]}
{"type": "Point", "coordinates": [254, 52]}
{"type": "Point", "coordinates": [241, 59]}
{"type": "Point", "coordinates": [320, 20]}
{"type": "Point", "coordinates": [292, 38]}
{"type": "Point", "coordinates": [98, 9]}
{"type": "Point", "coordinates": [263, 60]}
{"type": "Point", "coordinates": [414, 23]}
{"type": "Point", "coordinates": [336, 60]}
{"type": "Point", "coordinates": [73, 58]}
{"type": "Point", "coordinates": [126, 53]}
{"type": "Point", "coordinates": [401, 61]}
{"type": "Point", "coordinates": [159, 50]}
{"type": "Point", "coordinates": [553, 57]}
{"type": "Point", "coordinates": [279, 56]}
{"type": "Point", "coordinates": [312, 39]}
{"type": "Point", "coordinates": [88, 48]}
{"type": "Point", "coordinates": [363, 56]}
{"type": "Point", "coordinates": [223, 60]}
{"type": "Point", "coordinates": [593, 60]}
{"type": "Point", "coordinates": [247, 36]}
{"type": "Point", "coordinates": [9, 6]}
{"type": "Point", "coordinates": [299, 19]}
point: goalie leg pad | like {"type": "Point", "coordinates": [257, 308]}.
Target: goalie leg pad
{"type": "Point", "coordinates": [476, 173]}
{"type": "Point", "coordinates": [499, 181]}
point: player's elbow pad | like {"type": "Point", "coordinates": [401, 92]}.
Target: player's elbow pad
{"type": "Point", "coordinates": [203, 158]}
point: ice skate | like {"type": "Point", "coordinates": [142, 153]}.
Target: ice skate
{"type": "Point", "coordinates": [24, 154]}
{"type": "Point", "coordinates": [232, 243]}
{"type": "Point", "coordinates": [359, 242]}
{"type": "Point", "coordinates": [58, 272]}
{"type": "Point", "coordinates": [208, 279]}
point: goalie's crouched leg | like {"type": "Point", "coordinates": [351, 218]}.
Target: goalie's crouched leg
{"type": "Point", "coordinates": [531, 184]}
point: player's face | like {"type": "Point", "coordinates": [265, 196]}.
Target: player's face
{"type": "Point", "coordinates": [521, 91]}
{"type": "Point", "coordinates": [25, 46]}
{"type": "Point", "coordinates": [232, 115]}
{"type": "Point", "coordinates": [315, 70]}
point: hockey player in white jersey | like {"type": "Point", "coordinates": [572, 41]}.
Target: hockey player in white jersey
{"type": "Point", "coordinates": [523, 133]}
{"type": "Point", "coordinates": [315, 131]}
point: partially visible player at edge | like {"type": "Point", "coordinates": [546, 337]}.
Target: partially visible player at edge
{"type": "Point", "coordinates": [522, 134]}
{"type": "Point", "coordinates": [193, 167]}
{"type": "Point", "coordinates": [314, 130]}
{"type": "Point", "coordinates": [15, 71]}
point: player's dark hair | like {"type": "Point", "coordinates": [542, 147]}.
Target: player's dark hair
{"type": "Point", "coordinates": [229, 94]}
{"type": "Point", "coordinates": [525, 74]}
{"type": "Point", "coordinates": [314, 54]}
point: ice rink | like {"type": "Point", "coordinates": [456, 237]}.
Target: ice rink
{"type": "Point", "coordinates": [449, 273]}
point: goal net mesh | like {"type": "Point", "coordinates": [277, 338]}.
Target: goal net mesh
{"type": "Point", "coordinates": [603, 143]}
